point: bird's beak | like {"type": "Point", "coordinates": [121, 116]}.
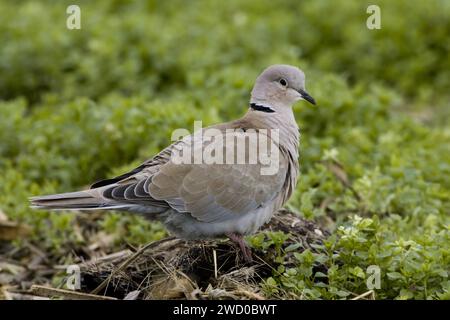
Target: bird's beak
{"type": "Point", "coordinates": [306, 96]}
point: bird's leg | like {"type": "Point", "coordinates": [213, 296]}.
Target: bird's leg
{"type": "Point", "coordinates": [246, 251]}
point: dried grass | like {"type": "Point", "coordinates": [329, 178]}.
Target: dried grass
{"type": "Point", "coordinates": [175, 269]}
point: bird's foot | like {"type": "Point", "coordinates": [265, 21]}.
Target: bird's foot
{"type": "Point", "coordinates": [246, 250]}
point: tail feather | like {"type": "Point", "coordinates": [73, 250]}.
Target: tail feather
{"type": "Point", "coordinates": [81, 200]}
{"type": "Point", "coordinates": [91, 199]}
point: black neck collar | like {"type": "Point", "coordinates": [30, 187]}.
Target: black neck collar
{"type": "Point", "coordinates": [258, 107]}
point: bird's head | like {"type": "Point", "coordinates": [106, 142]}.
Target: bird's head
{"type": "Point", "coordinates": [280, 86]}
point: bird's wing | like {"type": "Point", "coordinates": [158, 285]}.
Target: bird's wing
{"type": "Point", "coordinates": [150, 166]}
{"type": "Point", "coordinates": [209, 192]}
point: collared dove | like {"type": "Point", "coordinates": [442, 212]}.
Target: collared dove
{"type": "Point", "coordinates": [209, 200]}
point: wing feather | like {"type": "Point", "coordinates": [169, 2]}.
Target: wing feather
{"type": "Point", "coordinates": [209, 192]}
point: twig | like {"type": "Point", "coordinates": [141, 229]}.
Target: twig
{"type": "Point", "coordinates": [249, 294]}
{"type": "Point", "coordinates": [215, 263]}
{"type": "Point", "coordinates": [365, 294]}
{"type": "Point", "coordinates": [126, 263]}
{"type": "Point", "coordinates": [11, 295]}
{"type": "Point", "coordinates": [11, 230]}
{"type": "Point", "coordinates": [66, 294]}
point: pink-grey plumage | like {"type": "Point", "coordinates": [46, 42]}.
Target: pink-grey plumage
{"type": "Point", "coordinates": [198, 201]}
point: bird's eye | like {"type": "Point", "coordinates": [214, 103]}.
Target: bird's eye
{"type": "Point", "coordinates": [283, 82]}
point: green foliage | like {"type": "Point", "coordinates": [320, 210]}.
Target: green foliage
{"type": "Point", "coordinates": [149, 46]}
{"type": "Point", "coordinates": [409, 269]}
{"type": "Point", "coordinates": [132, 229]}
{"type": "Point", "coordinates": [81, 105]}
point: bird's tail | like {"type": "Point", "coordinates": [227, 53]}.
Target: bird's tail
{"type": "Point", "coordinates": [80, 200]}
